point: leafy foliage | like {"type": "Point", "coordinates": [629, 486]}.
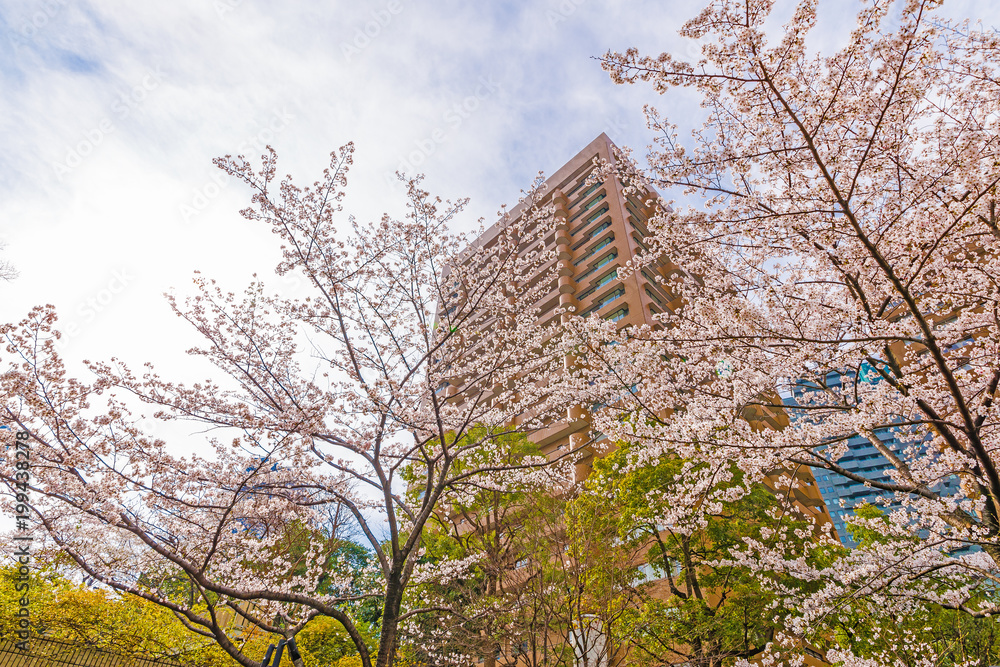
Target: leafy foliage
{"type": "Point", "coordinates": [101, 619]}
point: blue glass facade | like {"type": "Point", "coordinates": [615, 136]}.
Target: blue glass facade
{"type": "Point", "coordinates": [841, 494]}
{"type": "Point", "coordinates": [863, 459]}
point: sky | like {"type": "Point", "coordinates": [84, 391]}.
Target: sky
{"type": "Point", "coordinates": [111, 113]}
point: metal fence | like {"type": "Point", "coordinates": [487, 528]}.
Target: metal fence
{"type": "Point", "coordinates": [53, 653]}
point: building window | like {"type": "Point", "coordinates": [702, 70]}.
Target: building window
{"type": "Point", "coordinates": [600, 265]}
{"type": "Point", "coordinates": [646, 573]}
{"type": "Point", "coordinates": [601, 211]}
{"type": "Point", "coordinates": [618, 293]}
{"type": "Point", "coordinates": [594, 202]}
{"type": "Point", "coordinates": [592, 188]}
{"type": "Point", "coordinates": [600, 228]}
{"type": "Point", "coordinates": [596, 249]}
{"type": "Point", "coordinates": [617, 315]}
{"type": "Point", "coordinates": [583, 181]}
{"type": "Point", "coordinates": [604, 280]}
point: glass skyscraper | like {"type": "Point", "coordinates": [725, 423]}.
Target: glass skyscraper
{"type": "Point", "coordinates": [843, 495]}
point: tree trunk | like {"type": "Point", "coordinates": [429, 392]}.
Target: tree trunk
{"type": "Point", "coordinates": [390, 622]}
{"type": "Point", "coordinates": [293, 653]}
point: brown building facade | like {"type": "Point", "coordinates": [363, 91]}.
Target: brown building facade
{"type": "Point", "coordinates": [597, 229]}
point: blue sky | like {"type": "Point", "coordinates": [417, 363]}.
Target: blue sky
{"type": "Point", "coordinates": [111, 112]}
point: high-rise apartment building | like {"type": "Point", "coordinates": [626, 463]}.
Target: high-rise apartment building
{"type": "Point", "coordinates": [598, 229]}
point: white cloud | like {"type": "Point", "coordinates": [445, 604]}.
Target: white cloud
{"type": "Point", "coordinates": [482, 95]}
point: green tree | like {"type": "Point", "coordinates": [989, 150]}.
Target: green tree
{"type": "Point", "coordinates": [957, 637]}
{"type": "Point", "coordinates": [324, 642]}
{"type": "Point", "coordinates": [101, 619]}
{"type": "Point", "coordinates": [492, 527]}
{"type": "Point", "coordinates": [699, 605]}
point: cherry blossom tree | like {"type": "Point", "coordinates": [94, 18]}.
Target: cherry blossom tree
{"type": "Point", "coordinates": [552, 579]}
{"type": "Point", "coordinates": [841, 267]}
{"type": "Point", "coordinates": [509, 533]}
{"type": "Point", "coordinates": [695, 605]}
{"type": "Point", "coordinates": [7, 270]}
{"type": "Point", "coordinates": [317, 413]}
